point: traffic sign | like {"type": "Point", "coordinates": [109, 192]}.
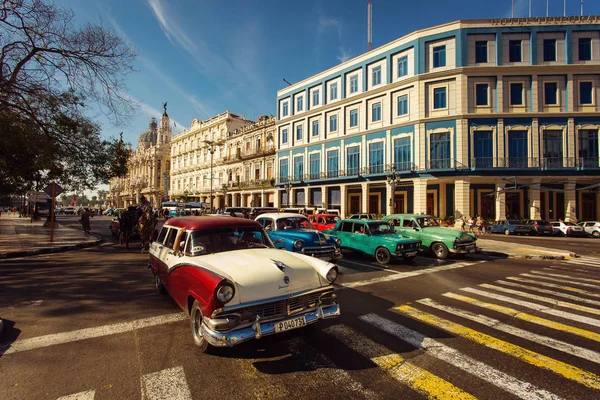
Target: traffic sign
{"type": "Point", "coordinates": [57, 190]}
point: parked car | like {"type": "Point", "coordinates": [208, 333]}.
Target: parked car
{"type": "Point", "coordinates": [591, 227]}
{"type": "Point", "coordinates": [117, 211]}
{"type": "Point", "coordinates": [68, 210]}
{"type": "Point", "coordinates": [108, 211]}
{"type": "Point", "coordinates": [540, 227]}
{"type": "Point", "coordinates": [362, 216]}
{"type": "Point", "coordinates": [227, 276]}
{"type": "Point", "coordinates": [238, 211]}
{"type": "Point", "coordinates": [328, 211]}
{"type": "Point", "coordinates": [323, 222]}
{"type": "Point", "coordinates": [376, 239]}
{"type": "Point", "coordinates": [294, 232]}
{"type": "Point", "coordinates": [256, 211]}
{"type": "Point", "coordinates": [567, 229]}
{"type": "Point", "coordinates": [441, 241]}
{"type": "Point", "coordinates": [509, 227]}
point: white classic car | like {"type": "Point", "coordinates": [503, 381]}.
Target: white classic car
{"type": "Point", "coordinates": [235, 286]}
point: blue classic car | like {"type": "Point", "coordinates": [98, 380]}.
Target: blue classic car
{"type": "Point", "coordinates": [509, 227]}
{"type": "Point", "coordinates": [293, 232]}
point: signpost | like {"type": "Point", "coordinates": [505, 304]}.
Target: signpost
{"type": "Point", "coordinates": [52, 190]}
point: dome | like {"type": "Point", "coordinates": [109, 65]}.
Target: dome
{"type": "Point", "coordinates": [148, 137]}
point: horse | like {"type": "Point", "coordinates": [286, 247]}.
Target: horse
{"type": "Point", "coordinates": [146, 228]}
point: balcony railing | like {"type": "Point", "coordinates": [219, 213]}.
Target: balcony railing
{"type": "Point", "coordinates": [547, 163]}
{"type": "Point", "coordinates": [445, 164]}
{"type": "Point", "coordinates": [255, 184]}
{"type": "Point", "coordinates": [588, 163]}
{"type": "Point", "coordinates": [558, 163]}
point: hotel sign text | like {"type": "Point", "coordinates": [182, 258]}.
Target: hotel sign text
{"type": "Point", "coordinates": [581, 19]}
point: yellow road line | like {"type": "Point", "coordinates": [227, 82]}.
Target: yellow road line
{"type": "Point", "coordinates": [527, 317]}
{"type": "Point", "coordinates": [415, 377]}
{"type": "Point", "coordinates": [539, 360]}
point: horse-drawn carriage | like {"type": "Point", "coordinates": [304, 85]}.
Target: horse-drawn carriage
{"type": "Point", "coordinates": [134, 223]}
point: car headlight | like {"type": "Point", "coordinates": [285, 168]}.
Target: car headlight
{"type": "Point", "coordinates": [298, 244]}
{"type": "Point", "coordinates": [332, 274]}
{"type": "Point", "coordinates": [338, 241]}
{"type": "Point", "coordinates": [225, 293]}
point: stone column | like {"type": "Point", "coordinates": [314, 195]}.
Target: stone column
{"type": "Point", "coordinates": [276, 195]}
{"type": "Point", "coordinates": [365, 197]}
{"type": "Point", "coordinates": [242, 200]}
{"type": "Point", "coordinates": [534, 200]}
{"type": "Point", "coordinates": [306, 196]}
{"type": "Point", "coordinates": [570, 203]}
{"type": "Point", "coordinates": [343, 200]}
{"type": "Point", "coordinates": [324, 197]}
{"type": "Point", "coordinates": [263, 198]}
{"type": "Point", "coordinates": [420, 196]}
{"type": "Point", "coordinates": [500, 201]}
{"type": "Point", "coordinates": [462, 199]}
{"type": "Point", "coordinates": [389, 199]}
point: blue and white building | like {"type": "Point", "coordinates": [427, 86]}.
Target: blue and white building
{"type": "Point", "coordinates": [477, 117]}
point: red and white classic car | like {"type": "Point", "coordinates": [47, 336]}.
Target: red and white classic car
{"type": "Point", "coordinates": [235, 286]}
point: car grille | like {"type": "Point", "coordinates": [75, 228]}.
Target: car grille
{"type": "Point", "coordinates": [318, 251]}
{"type": "Point", "coordinates": [278, 308]}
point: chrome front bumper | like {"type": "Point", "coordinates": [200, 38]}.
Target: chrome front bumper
{"type": "Point", "coordinates": [259, 329]}
{"type": "Point", "coordinates": [463, 249]}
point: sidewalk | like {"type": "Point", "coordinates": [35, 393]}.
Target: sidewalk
{"type": "Point", "coordinates": [495, 248]}
{"type": "Point", "coordinates": [19, 237]}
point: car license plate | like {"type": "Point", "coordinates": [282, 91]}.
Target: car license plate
{"type": "Point", "coordinates": [410, 254]}
{"type": "Point", "coordinates": [290, 324]}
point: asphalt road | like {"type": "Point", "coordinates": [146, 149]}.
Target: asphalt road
{"type": "Point", "coordinates": [587, 246]}
{"type": "Point", "coordinates": [88, 323]}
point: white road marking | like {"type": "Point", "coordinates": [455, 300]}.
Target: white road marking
{"type": "Point", "coordinates": [566, 276]}
{"type": "Point", "coordinates": [88, 395]}
{"type": "Point", "coordinates": [535, 306]}
{"type": "Point", "coordinates": [87, 333]}
{"type": "Point", "coordinates": [512, 330]}
{"type": "Point", "coordinates": [519, 388]}
{"type": "Point", "coordinates": [23, 304]}
{"type": "Point", "coordinates": [168, 384]}
{"type": "Point", "coordinates": [552, 292]}
{"type": "Point", "coordinates": [410, 274]}
{"type": "Point", "coordinates": [590, 262]}
{"type": "Point", "coordinates": [543, 299]}
{"type": "Point", "coordinates": [553, 285]}
{"type": "Point", "coordinates": [589, 285]}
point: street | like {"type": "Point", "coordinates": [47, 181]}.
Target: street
{"type": "Point", "coordinates": [87, 324]}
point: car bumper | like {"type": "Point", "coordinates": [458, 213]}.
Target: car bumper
{"type": "Point", "coordinates": [260, 329]}
{"type": "Point", "coordinates": [465, 249]}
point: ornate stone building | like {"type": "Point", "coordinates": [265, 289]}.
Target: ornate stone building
{"type": "Point", "coordinates": [235, 154]}
{"type": "Point", "coordinates": [148, 167]}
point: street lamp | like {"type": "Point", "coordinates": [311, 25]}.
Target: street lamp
{"type": "Point", "coordinates": [392, 180]}
{"type": "Point", "coordinates": [288, 188]}
{"type": "Point", "coordinates": [210, 146]}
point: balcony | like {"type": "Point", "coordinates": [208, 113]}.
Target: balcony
{"type": "Point", "coordinates": [256, 184]}
{"type": "Point", "coordinates": [482, 163]}
{"type": "Point", "coordinates": [441, 164]}
{"type": "Point", "coordinates": [544, 164]}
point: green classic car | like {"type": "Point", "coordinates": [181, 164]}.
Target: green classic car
{"type": "Point", "coordinates": [375, 238]}
{"type": "Point", "coordinates": [440, 240]}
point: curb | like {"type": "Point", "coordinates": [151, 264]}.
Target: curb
{"type": "Point", "coordinates": [48, 250]}
{"type": "Point", "coordinates": [532, 256]}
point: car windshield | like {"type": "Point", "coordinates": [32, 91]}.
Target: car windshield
{"type": "Point", "coordinates": [293, 223]}
{"type": "Point", "coordinates": [217, 241]}
{"type": "Point", "coordinates": [425, 222]}
{"type": "Point", "coordinates": [380, 228]}
{"type": "Point", "coordinates": [513, 222]}
{"type": "Point", "coordinates": [570, 224]}
{"type": "Point", "coordinates": [328, 220]}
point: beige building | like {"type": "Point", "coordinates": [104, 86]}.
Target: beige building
{"type": "Point", "coordinates": [497, 118]}
{"type": "Point", "coordinates": [148, 167]}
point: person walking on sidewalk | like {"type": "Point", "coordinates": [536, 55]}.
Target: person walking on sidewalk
{"type": "Point", "coordinates": [85, 221]}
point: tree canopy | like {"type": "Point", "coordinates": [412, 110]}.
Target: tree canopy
{"type": "Point", "coordinates": [50, 69]}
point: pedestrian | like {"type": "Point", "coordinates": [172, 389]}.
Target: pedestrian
{"type": "Point", "coordinates": [462, 222]}
{"type": "Point", "coordinates": [470, 224]}
{"type": "Point", "coordinates": [479, 224]}
{"type": "Point", "coordinates": [85, 221]}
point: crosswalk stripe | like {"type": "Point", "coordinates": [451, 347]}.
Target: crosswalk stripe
{"type": "Point", "coordinates": [568, 269]}
{"type": "Point", "coordinates": [409, 274]}
{"type": "Point", "coordinates": [538, 360]}
{"type": "Point", "coordinates": [543, 299]}
{"type": "Point", "coordinates": [417, 378]}
{"type": "Point", "coordinates": [554, 285]}
{"type": "Point", "coordinates": [562, 281]}
{"type": "Point", "coordinates": [566, 276]}
{"type": "Point", "coordinates": [535, 306]}
{"type": "Point", "coordinates": [527, 317]}
{"type": "Point", "coordinates": [556, 344]}
{"type": "Point", "coordinates": [87, 395]}
{"type": "Point", "coordinates": [588, 263]}
{"type": "Point", "coordinates": [87, 333]}
{"type": "Point", "coordinates": [552, 292]}
{"type": "Point", "coordinates": [519, 388]}
{"type": "Point", "coordinates": [168, 384]}
{"type": "Point", "coordinates": [320, 362]}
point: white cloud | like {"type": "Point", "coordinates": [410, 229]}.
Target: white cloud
{"type": "Point", "coordinates": [153, 112]}
{"type": "Point", "coordinates": [344, 54]}
{"type": "Point", "coordinates": [326, 23]}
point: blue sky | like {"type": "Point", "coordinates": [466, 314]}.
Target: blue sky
{"type": "Point", "coordinates": [205, 57]}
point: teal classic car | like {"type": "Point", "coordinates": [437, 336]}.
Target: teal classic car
{"type": "Point", "coordinates": [375, 238]}
{"type": "Point", "coordinates": [293, 232]}
{"type": "Point", "coordinates": [440, 240]}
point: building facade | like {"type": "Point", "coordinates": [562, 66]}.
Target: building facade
{"type": "Point", "coordinates": [148, 167]}
{"type": "Point", "coordinates": [497, 118]}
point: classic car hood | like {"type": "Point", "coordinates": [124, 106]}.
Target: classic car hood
{"type": "Point", "coordinates": [393, 238]}
{"type": "Point", "coordinates": [257, 277]}
{"type": "Point", "coordinates": [311, 237]}
{"type": "Point", "coordinates": [440, 232]}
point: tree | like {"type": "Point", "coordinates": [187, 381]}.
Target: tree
{"type": "Point", "coordinates": [49, 69]}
